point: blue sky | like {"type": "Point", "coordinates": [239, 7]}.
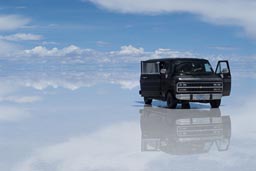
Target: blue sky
{"type": "Point", "coordinates": [69, 74]}
{"type": "Point", "coordinates": [64, 43]}
{"type": "Point", "coordinates": [106, 25]}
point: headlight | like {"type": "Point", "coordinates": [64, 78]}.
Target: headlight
{"type": "Point", "coordinates": [182, 84]}
{"type": "Point", "coordinates": [217, 84]}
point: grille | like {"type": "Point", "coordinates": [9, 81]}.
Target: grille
{"type": "Point", "coordinates": [199, 87]}
{"type": "Point", "coordinates": [200, 130]}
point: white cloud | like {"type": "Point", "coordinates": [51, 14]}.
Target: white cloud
{"type": "Point", "coordinates": [44, 52]}
{"type": "Point", "coordinates": [73, 67]}
{"type": "Point", "coordinates": [9, 87]}
{"type": "Point", "coordinates": [11, 114]}
{"type": "Point", "coordinates": [57, 82]}
{"type": "Point", "coordinates": [126, 54]}
{"type": "Point", "coordinates": [129, 50]}
{"type": "Point", "coordinates": [127, 84]}
{"type": "Point", "coordinates": [227, 12]}
{"type": "Point", "coordinates": [95, 68]}
{"type": "Point", "coordinates": [125, 51]}
{"type": "Point", "coordinates": [41, 51]}
{"type": "Point", "coordinates": [22, 99]}
{"type": "Point", "coordinates": [71, 49]}
{"type": "Point", "coordinates": [21, 37]}
{"type": "Point", "coordinates": [12, 22]}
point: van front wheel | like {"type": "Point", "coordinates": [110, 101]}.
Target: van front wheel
{"type": "Point", "coordinates": [215, 103]}
{"type": "Point", "coordinates": [171, 101]}
{"type": "Point", "coordinates": [147, 101]}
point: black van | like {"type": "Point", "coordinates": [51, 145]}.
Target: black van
{"type": "Point", "coordinates": [184, 80]}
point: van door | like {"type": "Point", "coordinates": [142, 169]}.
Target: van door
{"type": "Point", "coordinates": [150, 79]}
{"type": "Point", "coordinates": [223, 71]}
{"type": "Point", "coordinates": [164, 74]}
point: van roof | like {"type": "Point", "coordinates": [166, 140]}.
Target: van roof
{"type": "Point", "coordinates": [175, 59]}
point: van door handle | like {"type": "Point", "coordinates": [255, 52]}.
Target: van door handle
{"type": "Point", "coordinates": [144, 77]}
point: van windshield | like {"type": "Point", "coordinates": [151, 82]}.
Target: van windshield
{"type": "Point", "coordinates": [194, 67]}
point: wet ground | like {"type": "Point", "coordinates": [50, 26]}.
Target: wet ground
{"type": "Point", "coordinates": [105, 127]}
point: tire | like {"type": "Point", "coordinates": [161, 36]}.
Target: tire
{"type": "Point", "coordinates": [147, 101]}
{"type": "Point", "coordinates": [215, 103]}
{"type": "Point", "coordinates": [185, 105]}
{"type": "Point", "coordinates": [171, 101]}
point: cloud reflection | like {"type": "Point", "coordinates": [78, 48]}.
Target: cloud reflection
{"type": "Point", "coordinates": [116, 147]}
{"type": "Point", "coordinates": [12, 113]}
{"type": "Point", "coordinates": [119, 146]}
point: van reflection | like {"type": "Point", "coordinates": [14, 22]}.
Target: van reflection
{"type": "Point", "coordinates": [181, 132]}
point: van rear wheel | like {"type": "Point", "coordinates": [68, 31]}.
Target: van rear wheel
{"type": "Point", "coordinates": [215, 103]}
{"type": "Point", "coordinates": [147, 101]}
{"type": "Point", "coordinates": [171, 101]}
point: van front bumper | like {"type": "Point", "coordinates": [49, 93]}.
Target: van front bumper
{"type": "Point", "coordinates": [198, 97]}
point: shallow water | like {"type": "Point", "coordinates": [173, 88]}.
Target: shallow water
{"type": "Point", "coordinates": [106, 127]}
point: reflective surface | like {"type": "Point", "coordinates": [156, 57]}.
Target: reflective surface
{"type": "Point", "coordinates": [106, 127]}
{"type": "Point", "coordinates": [184, 132]}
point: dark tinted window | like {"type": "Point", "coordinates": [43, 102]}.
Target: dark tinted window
{"type": "Point", "coordinates": [194, 67]}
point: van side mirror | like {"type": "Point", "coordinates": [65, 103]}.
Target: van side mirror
{"type": "Point", "coordinates": [163, 71]}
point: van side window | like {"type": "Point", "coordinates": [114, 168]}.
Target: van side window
{"type": "Point", "coordinates": [150, 68]}
{"type": "Point", "coordinates": [164, 65]}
